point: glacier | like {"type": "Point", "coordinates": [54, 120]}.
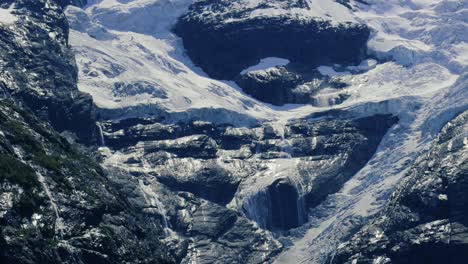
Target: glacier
{"type": "Point", "coordinates": [133, 65]}
{"type": "Point", "coordinates": [131, 43]}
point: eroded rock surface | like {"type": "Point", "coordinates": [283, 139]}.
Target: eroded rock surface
{"type": "Point", "coordinates": [426, 219]}
{"type": "Point", "coordinates": [229, 165]}
{"type": "Point", "coordinates": [39, 68]}
{"type": "Point", "coordinates": [225, 37]}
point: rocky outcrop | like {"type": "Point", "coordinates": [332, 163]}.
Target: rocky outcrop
{"type": "Point", "coordinates": [426, 219]}
{"type": "Point", "coordinates": [212, 182]}
{"type": "Point", "coordinates": [39, 69]}
{"type": "Point", "coordinates": [58, 206]}
{"type": "Point", "coordinates": [288, 210]}
{"type": "Point", "coordinates": [212, 161]}
{"type": "Point", "coordinates": [225, 37]}
{"type": "Point", "coordinates": [287, 85]}
{"type": "Point", "coordinates": [219, 235]}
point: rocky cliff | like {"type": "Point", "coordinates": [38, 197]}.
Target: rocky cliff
{"type": "Point", "coordinates": [39, 69]}
{"type": "Point", "coordinates": [225, 37]}
{"type": "Point", "coordinates": [57, 204]}
{"type": "Point", "coordinates": [212, 161]}
{"type": "Point", "coordinates": [426, 218]}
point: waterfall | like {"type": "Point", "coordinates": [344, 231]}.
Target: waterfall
{"type": "Point", "coordinates": [284, 144]}
{"type": "Point", "coordinates": [59, 225]}
{"type": "Point", "coordinates": [257, 208]}
{"type": "Point", "coordinates": [101, 135]}
{"type": "Point", "coordinates": [285, 147]}
{"type": "Point", "coordinates": [153, 201]}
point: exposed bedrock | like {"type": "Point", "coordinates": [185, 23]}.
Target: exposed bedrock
{"type": "Point", "coordinates": [39, 69]}
{"type": "Point", "coordinates": [292, 85]}
{"type": "Point", "coordinates": [224, 40]}
{"type": "Point", "coordinates": [426, 219]}
{"type": "Point", "coordinates": [222, 163]}
{"type": "Point", "coordinates": [325, 165]}
{"type": "Point", "coordinates": [211, 182]}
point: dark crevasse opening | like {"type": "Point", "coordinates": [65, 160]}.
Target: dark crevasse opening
{"type": "Point", "coordinates": [286, 208]}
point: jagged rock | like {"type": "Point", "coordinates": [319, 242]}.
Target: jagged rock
{"type": "Point", "coordinates": [327, 152]}
{"type": "Point", "coordinates": [211, 182]}
{"type": "Point", "coordinates": [39, 69]}
{"type": "Point", "coordinates": [218, 234]}
{"type": "Point", "coordinates": [225, 37]}
{"type": "Point", "coordinates": [273, 86]}
{"type": "Point", "coordinates": [197, 146]}
{"type": "Point", "coordinates": [426, 219]}
{"type": "Point", "coordinates": [286, 85]}
{"type": "Point", "coordinates": [58, 206]}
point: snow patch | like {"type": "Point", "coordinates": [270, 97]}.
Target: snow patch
{"type": "Point", "coordinates": [266, 64]}
{"type": "Point", "coordinates": [411, 32]}
{"type": "Point", "coordinates": [132, 65]}
{"type": "Point", "coordinates": [328, 10]}
{"type": "Point", "coordinates": [6, 17]}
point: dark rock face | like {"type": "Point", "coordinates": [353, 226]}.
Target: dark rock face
{"type": "Point", "coordinates": [219, 235]}
{"type": "Point", "coordinates": [39, 69]}
{"type": "Point", "coordinates": [58, 206]}
{"type": "Point", "coordinates": [275, 87]}
{"type": "Point", "coordinates": [223, 49]}
{"type": "Point", "coordinates": [212, 183]}
{"type": "Point", "coordinates": [426, 219]}
{"type": "Point", "coordinates": [286, 85]}
{"type": "Point", "coordinates": [197, 146]}
{"type": "Point", "coordinates": [223, 38]}
{"type": "Point", "coordinates": [332, 149]}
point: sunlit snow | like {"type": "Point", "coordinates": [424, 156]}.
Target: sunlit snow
{"type": "Point", "coordinates": [6, 17]}
{"type": "Point", "coordinates": [128, 45]}
{"type": "Point", "coordinates": [265, 64]}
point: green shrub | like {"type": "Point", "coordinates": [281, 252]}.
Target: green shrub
{"type": "Point", "coordinates": [51, 163]}
{"type": "Point", "coordinates": [20, 135]}
{"type": "Point", "coordinates": [16, 172]}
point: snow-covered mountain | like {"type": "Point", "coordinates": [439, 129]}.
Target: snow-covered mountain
{"type": "Point", "coordinates": [129, 59]}
{"type": "Point", "coordinates": [247, 131]}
